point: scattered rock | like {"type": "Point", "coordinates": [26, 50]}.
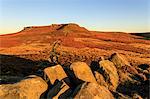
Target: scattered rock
{"type": "Point", "coordinates": [119, 60]}
{"type": "Point", "coordinates": [92, 91]}
{"type": "Point", "coordinates": [125, 70]}
{"type": "Point", "coordinates": [111, 72]}
{"type": "Point", "coordinates": [82, 72]}
{"type": "Point", "coordinates": [30, 88]}
{"type": "Point", "coordinates": [123, 77]}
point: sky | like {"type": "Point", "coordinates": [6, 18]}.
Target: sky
{"type": "Point", "coordinates": [98, 15]}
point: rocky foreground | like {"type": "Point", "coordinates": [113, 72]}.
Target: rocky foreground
{"type": "Point", "coordinates": [109, 78]}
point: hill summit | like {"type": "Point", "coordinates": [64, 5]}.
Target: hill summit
{"type": "Point", "coordinates": [42, 34]}
{"type": "Point", "coordinates": [70, 27]}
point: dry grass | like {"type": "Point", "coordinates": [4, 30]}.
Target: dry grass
{"type": "Point", "coordinates": [79, 44]}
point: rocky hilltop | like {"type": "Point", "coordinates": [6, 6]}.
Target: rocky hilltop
{"type": "Point", "coordinates": [68, 61]}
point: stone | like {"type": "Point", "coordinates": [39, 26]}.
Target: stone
{"type": "Point", "coordinates": [59, 80]}
{"type": "Point", "coordinates": [64, 92]}
{"type": "Point", "coordinates": [29, 88]}
{"type": "Point", "coordinates": [119, 60]}
{"type": "Point", "coordinates": [92, 91]}
{"type": "Point", "coordinates": [55, 73]}
{"type": "Point", "coordinates": [110, 71]}
{"type": "Point", "coordinates": [59, 90]}
{"type": "Point", "coordinates": [124, 76]}
{"type": "Point", "coordinates": [82, 72]}
{"type": "Point", "coordinates": [100, 79]}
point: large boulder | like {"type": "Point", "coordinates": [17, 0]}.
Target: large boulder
{"type": "Point", "coordinates": [82, 72]}
{"type": "Point", "coordinates": [119, 60]}
{"type": "Point", "coordinates": [55, 73]}
{"type": "Point", "coordinates": [30, 88]}
{"type": "Point", "coordinates": [125, 70]}
{"type": "Point", "coordinates": [92, 91]}
{"type": "Point", "coordinates": [110, 74]}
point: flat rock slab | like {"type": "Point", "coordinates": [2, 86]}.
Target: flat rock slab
{"type": "Point", "coordinates": [55, 73]}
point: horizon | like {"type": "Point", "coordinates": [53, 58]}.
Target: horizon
{"type": "Point", "coordinates": [129, 16]}
{"type": "Point", "coordinates": [69, 23]}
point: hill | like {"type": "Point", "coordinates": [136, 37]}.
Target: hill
{"type": "Point", "coordinates": [146, 35]}
{"type": "Point", "coordinates": [36, 39]}
{"type": "Point", "coordinates": [124, 58]}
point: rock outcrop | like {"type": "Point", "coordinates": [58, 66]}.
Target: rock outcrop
{"type": "Point", "coordinates": [92, 91]}
{"type": "Point", "coordinates": [59, 90]}
{"type": "Point", "coordinates": [110, 71]}
{"type": "Point", "coordinates": [82, 72]}
{"type": "Point", "coordinates": [64, 92]}
{"type": "Point", "coordinates": [30, 88]}
{"type": "Point", "coordinates": [124, 67]}
{"type": "Point", "coordinates": [55, 73]}
{"type": "Point", "coordinates": [59, 81]}
{"type": "Point", "coordinates": [119, 60]}
{"type": "Point", "coordinates": [103, 79]}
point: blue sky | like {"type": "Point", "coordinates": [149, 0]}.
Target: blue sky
{"type": "Point", "coordinates": [100, 15]}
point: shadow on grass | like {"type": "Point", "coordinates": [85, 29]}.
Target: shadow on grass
{"type": "Point", "coordinates": [13, 69]}
{"type": "Point", "coordinates": [129, 88]}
